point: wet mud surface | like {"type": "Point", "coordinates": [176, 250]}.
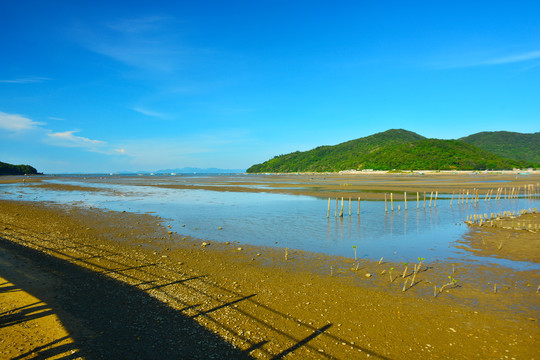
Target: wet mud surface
{"type": "Point", "coordinates": [125, 286]}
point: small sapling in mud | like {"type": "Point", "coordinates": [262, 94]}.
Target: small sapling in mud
{"type": "Point", "coordinates": [354, 247]}
{"type": "Point", "coordinates": [405, 271]}
{"type": "Point", "coordinates": [452, 282]}
{"type": "Point", "coordinates": [390, 272]}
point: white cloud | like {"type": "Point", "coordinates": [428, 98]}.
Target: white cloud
{"type": "Point", "coordinates": [67, 139]}
{"type": "Point", "coordinates": [149, 112]}
{"type": "Point", "coordinates": [16, 122]}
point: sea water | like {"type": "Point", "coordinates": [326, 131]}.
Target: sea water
{"type": "Point", "coordinates": [279, 220]}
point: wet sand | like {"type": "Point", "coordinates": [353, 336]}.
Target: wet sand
{"type": "Point", "coordinates": [369, 186]}
{"type": "Point", "coordinates": [125, 287]}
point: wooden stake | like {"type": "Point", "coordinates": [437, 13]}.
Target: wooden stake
{"type": "Point", "coordinates": [430, 199]}
{"type": "Point", "coordinates": [341, 211]}
{"type": "Point", "coordinates": [417, 200]}
{"type": "Point", "coordinates": [349, 206]}
{"type": "Point", "coordinates": [451, 200]}
{"type": "Point", "coordinates": [391, 202]}
{"type": "Point", "coordinates": [385, 203]}
{"type": "Point", "coordinates": [328, 212]}
{"type": "Point", "coordinates": [359, 206]}
{"type": "Point", "coordinates": [405, 197]}
{"type": "Point", "coordinates": [436, 193]}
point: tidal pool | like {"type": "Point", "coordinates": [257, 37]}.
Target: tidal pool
{"type": "Point", "coordinates": [292, 221]}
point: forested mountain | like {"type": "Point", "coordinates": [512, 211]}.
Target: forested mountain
{"type": "Point", "coordinates": [9, 169]}
{"type": "Point", "coordinates": [511, 145]}
{"type": "Point", "coordinates": [392, 149]}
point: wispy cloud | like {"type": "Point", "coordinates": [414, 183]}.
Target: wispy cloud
{"type": "Point", "coordinates": [28, 80]}
{"type": "Point", "coordinates": [531, 55]}
{"type": "Point", "coordinates": [67, 138]}
{"type": "Point", "coordinates": [149, 112]}
{"type": "Point", "coordinates": [484, 59]}
{"type": "Point", "coordinates": [55, 118]}
{"type": "Point", "coordinates": [16, 122]}
{"type": "Point", "coordinates": [149, 43]}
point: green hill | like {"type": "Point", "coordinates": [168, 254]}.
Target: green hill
{"type": "Point", "coordinates": [347, 155]}
{"type": "Point", "coordinates": [511, 145]}
{"type": "Point", "coordinates": [9, 169]}
{"type": "Point", "coordinates": [392, 149]}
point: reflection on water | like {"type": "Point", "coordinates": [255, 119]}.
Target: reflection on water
{"type": "Point", "coordinates": [298, 222]}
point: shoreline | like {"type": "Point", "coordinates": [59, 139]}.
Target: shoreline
{"type": "Point", "coordinates": [272, 306]}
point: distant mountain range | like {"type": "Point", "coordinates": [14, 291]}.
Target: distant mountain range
{"type": "Point", "coordinates": [405, 150]}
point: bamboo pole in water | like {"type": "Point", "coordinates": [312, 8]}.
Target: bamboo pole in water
{"type": "Point", "coordinates": [405, 197]}
{"type": "Point", "coordinates": [328, 212]}
{"type": "Point", "coordinates": [430, 199]}
{"type": "Point", "coordinates": [341, 211]}
{"type": "Point", "coordinates": [452, 200]}
{"type": "Point", "coordinates": [359, 206]}
{"type": "Point", "coordinates": [385, 203]}
{"type": "Point", "coordinates": [336, 206]}
{"type": "Point", "coordinates": [417, 200]}
{"type": "Point", "coordinates": [349, 206]}
{"type": "Point", "coordinates": [436, 194]}
{"type": "Point", "coordinates": [424, 200]}
{"type": "Point", "coordinates": [391, 202]}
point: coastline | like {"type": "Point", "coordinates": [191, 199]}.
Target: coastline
{"type": "Point", "coordinates": [265, 307]}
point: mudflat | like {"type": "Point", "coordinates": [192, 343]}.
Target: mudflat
{"type": "Point", "coordinates": [122, 285]}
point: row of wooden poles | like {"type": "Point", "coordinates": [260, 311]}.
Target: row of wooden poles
{"type": "Point", "coordinates": [530, 191]}
{"type": "Point", "coordinates": [496, 220]}
{"type": "Point", "coordinates": [385, 203]}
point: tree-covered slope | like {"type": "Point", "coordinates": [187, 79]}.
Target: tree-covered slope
{"type": "Point", "coordinates": [392, 149]}
{"type": "Point", "coordinates": [511, 145]}
{"type": "Point", "coordinates": [434, 154]}
{"type": "Point", "coordinates": [343, 156]}
{"type": "Point", "coordinates": [9, 169]}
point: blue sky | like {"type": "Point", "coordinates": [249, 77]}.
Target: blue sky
{"type": "Point", "coordinates": [105, 86]}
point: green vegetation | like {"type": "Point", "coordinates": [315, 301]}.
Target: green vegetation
{"type": "Point", "coordinates": [511, 145]}
{"type": "Point", "coordinates": [390, 150]}
{"type": "Point", "coordinates": [8, 169]}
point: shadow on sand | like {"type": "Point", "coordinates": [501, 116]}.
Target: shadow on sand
{"type": "Point", "coordinates": [109, 319]}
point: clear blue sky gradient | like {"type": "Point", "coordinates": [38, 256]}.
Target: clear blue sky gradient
{"type": "Point", "coordinates": [105, 86]}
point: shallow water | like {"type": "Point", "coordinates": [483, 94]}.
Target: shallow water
{"type": "Point", "coordinates": [292, 221]}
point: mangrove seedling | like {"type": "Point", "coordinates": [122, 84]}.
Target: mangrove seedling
{"type": "Point", "coordinates": [354, 247]}
{"type": "Point", "coordinates": [286, 254]}
{"type": "Point", "coordinates": [390, 272]}
{"type": "Point", "coordinates": [452, 282]}
{"type": "Point", "coordinates": [419, 263]}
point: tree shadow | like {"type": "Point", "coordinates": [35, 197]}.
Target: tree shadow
{"type": "Point", "coordinates": [109, 319]}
